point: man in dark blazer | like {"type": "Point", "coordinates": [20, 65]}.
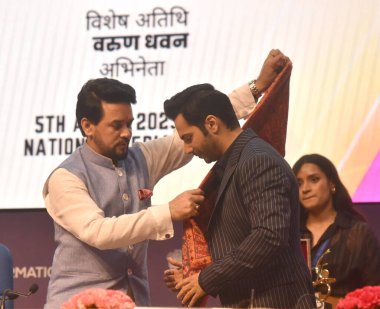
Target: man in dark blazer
{"type": "Point", "coordinates": [253, 233]}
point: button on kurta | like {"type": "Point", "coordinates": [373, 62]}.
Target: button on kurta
{"type": "Point", "coordinates": [167, 236]}
{"type": "Point", "coordinates": [119, 172]}
{"type": "Point", "coordinates": [125, 197]}
{"type": "Point", "coordinates": [130, 272]}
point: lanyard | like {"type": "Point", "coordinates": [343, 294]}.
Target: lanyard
{"type": "Point", "coordinates": [321, 249]}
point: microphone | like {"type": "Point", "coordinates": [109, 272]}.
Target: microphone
{"type": "Point", "coordinates": [10, 294]}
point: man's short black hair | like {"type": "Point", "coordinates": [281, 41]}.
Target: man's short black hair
{"type": "Point", "coordinates": [195, 103]}
{"type": "Point", "coordinates": [97, 90]}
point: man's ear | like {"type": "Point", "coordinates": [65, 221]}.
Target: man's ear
{"type": "Point", "coordinates": [87, 126]}
{"type": "Point", "coordinates": [211, 123]}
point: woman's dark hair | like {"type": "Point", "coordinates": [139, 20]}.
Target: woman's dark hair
{"type": "Point", "coordinates": [97, 90]}
{"type": "Point", "coordinates": [341, 198]}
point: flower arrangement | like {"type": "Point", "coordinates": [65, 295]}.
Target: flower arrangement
{"type": "Point", "coordinates": [364, 298]}
{"type": "Point", "coordinates": [97, 298]}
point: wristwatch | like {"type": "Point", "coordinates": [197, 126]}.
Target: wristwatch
{"type": "Point", "coordinates": [254, 90]}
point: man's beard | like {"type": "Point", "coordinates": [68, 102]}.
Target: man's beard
{"type": "Point", "coordinates": [118, 156]}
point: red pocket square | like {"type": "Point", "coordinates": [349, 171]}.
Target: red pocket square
{"type": "Point", "coordinates": [144, 194]}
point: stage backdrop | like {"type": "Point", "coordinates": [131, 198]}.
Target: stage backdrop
{"type": "Point", "coordinates": [49, 48]}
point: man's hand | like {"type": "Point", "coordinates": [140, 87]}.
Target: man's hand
{"type": "Point", "coordinates": [173, 276]}
{"type": "Point", "coordinates": [272, 66]}
{"type": "Point", "coordinates": [186, 205]}
{"type": "Point", "coordinates": [191, 292]}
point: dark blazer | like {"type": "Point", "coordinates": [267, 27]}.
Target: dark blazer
{"type": "Point", "coordinates": [253, 233]}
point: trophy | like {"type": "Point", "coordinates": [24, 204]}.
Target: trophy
{"type": "Point", "coordinates": [322, 282]}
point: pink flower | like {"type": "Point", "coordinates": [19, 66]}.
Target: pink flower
{"type": "Point", "coordinates": [99, 299]}
{"type": "Point", "coordinates": [364, 298]}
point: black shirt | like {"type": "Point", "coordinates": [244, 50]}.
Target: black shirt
{"type": "Point", "coordinates": [355, 253]}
